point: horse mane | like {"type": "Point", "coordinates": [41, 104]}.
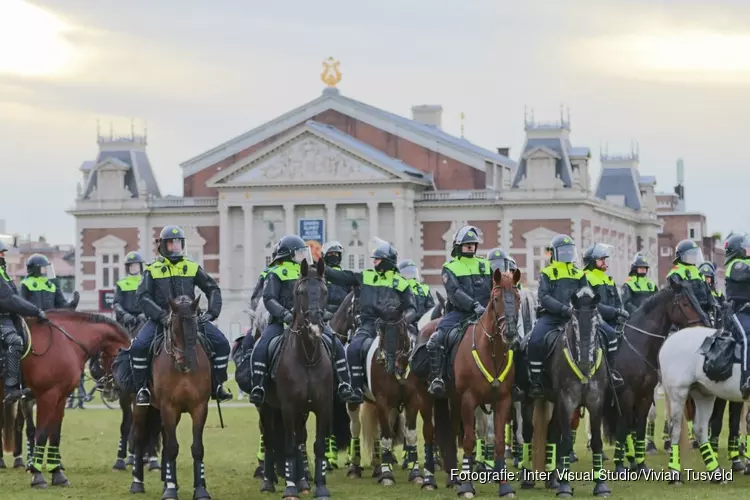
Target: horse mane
{"type": "Point", "coordinates": [91, 317]}
{"type": "Point", "coordinates": [343, 307]}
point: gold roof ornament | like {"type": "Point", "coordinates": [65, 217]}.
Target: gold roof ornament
{"type": "Point", "coordinates": [331, 74]}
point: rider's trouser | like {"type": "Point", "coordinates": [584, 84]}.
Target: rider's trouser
{"type": "Point", "coordinates": [259, 357]}
{"type": "Point", "coordinates": [741, 320]}
{"type": "Point", "coordinates": [13, 347]}
{"type": "Point", "coordinates": [544, 324]}
{"type": "Point", "coordinates": [354, 354]}
{"type": "Point", "coordinates": [609, 335]}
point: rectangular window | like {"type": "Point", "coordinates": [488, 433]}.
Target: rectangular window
{"type": "Point", "coordinates": [665, 251]}
{"type": "Point", "coordinates": [110, 265]}
{"type": "Point", "coordinates": [540, 261]}
{"type": "Point", "coordinates": [268, 260]}
{"type": "Point", "coordinates": [694, 231]}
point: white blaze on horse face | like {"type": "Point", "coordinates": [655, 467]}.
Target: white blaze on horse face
{"type": "Point", "coordinates": [317, 330]}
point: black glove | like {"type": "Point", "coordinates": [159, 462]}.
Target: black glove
{"type": "Point", "coordinates": [205, 318]}
{"type": "Point", "coordinates": [128, 319]}
{"type": "Point", "coordinates": [567, 311]}
{"type": "Point", "coordinates": [327, 316]}
{"type": "Point", "coordinates": [410, 317]}
{"type": "Point", "coordinates": [41, 317]}
{"type": "Point", "coordinates": [288, 317]}
{"type": "Point", "coordinates": [141, 318]}
{"type": "Point", "coordinates": [478, 309]}
{"type": "Point", "coordinates": [623, 313]}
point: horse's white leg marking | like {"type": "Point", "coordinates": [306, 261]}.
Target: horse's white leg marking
{"type": "Point", "coordinates": [704, 406]}
{"type": "Point", "coordinates": [481, 423]}
{"type": "Point", "coordinates": [354, 426]}
{"type": "Point", "coordinates": [519, 424]}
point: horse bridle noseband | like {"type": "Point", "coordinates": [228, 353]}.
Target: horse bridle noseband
{"type": "Point", "coordinates": [306, 326]}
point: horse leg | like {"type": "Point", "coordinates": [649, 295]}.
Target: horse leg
{"type": "Point", "coordinates": [501, 415]}
{"type": "Point", "coordinates": [46, 406]}
{"type": "Point", "coordinates": [303, 465]}
{"type": "Point", "coordinates": [527, 435]}
{"type": "Point", "coordinates": [595, 421]}
{"type": "Point", "coordinates": [322, 428]}
{"type": "Point", "coordinates": [289, 416]}
{"type": "Point", "coordinates": [482, 427]}
{"type": "Point", "coordinates": [517, 433]}
{"type": "Point", "coordinates": [410, 440]}
{"type": "Point", "coordinates": [267, 433]}
{"type": "Point", "coordinates": [640, 421]}
{"type": "Point", "coordinates": [261, 455]}
{"type": "Point", "coordinates": [468, 405]}
{"type": "Point", "coordinates": [170, 419]}
{"type": "Point", "coordinates": [355, 453]}
{"type": "Point", "coordinates": [125, 425]}
{"type": "Point", "coordinates": [428, 434]}
{"type": "Point", "coordinates": [715, 423]}
{"type": "Point", "coordinates": [566, 407]}
{"type": "Point", "coordinates": [651, 431]}
{"type": "Point", "coordinates": [198, 416]}
{"type": "Point", "coordinates": [54, 460]}
{"type": "Point", "coordinates": [386, 442]}
{"type": "Point", "coordinates": [704, 405]}
{"type": "Point", "coordinates": [622, 432]}
{"type": "Point", "coordinates": [24, 418]}
{"type": "Point", "coordinates": [139, 430]}
{"type": "Point", "coordinates": [676, 399]}
{"type": "Point", "coordinates": [575, 422]}
{"type": "Point", "coordinates": [733, 440]}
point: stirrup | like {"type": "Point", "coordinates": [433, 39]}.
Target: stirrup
{"type": "Point", "coordinates": [257, 395]}
{"type": "Point", "coordinates": [437, 387]}
{"type": "Point", "coordinates": [143, 398]}
{"type": "Point", "coordinates": [222, 395]}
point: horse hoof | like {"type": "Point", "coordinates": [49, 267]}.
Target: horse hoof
{"type": "Point", "coordinates": [154, 465]}
{"type": "Point", "coordinates": [59, 479]}
{"type": "Point", "coordinates": [130, 461]}
{"type": "Point", "coordinates": [466, 490]}
{"type": "Point", "coordinates": [480, 467]}
{"type": "Point", "coordinates": [717, 476]}
{"type": "Point", "coordinates": [387, 478]}
{"type": "Point", "coordinates": [737, 465]}
{"type": "Point", "coordinates": [667, 445]}
{"type": "Point", "coordinates": [505, 490]}
{"type": "Point", "coordinates": [290, 493]}
{"type": "Point", "coordinates": [39, 482]}
{"type": "Point", "coordinates": [267, 486]}
{"type": "Point", "coordinates": [258, 472]}
{"type": "Point", "coordinates": [304, 487]}
{"type": "Point", "coordinates": [696, 445]}
{"type": "Point", "coordinates": [429, 483]}
{"type": "Point", "coordinates": [2, 463]}
{"type": "Point", "coordinates": [136, 487]}
{"type": "Point", "coordinates": [354, 472]}
{"type": "Point", "coordinates": [322, 493]}
{"type": "Point", "coordinates": [552, 484]}
{"type": "Point", "coordinates": [377, 471]}
{"type": "Point", "coordinates": [573, 458]}
{"type": "Point", "coordinates": [119, 465]}
{"type": "Point", "coordinates": [18, 463]}
{"type": "Point", "coordinates": [620, 470]}
{"type": "Point", "coordinates": [200, 493]}
{"type": "Point", "coordinates": [747, 469]}
{"type": "Point", "coordinates": [601, 490]}
{"type": "Point", "coordinates": [651, 448]}
{"type": "Point", "coordinates": [528, 485]}
{"type": "Point", "coordinates": [169, 494]}
{"type": "Point", "coordinates": [415, 477]}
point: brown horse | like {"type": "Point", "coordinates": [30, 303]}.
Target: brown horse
{"type": "Point", "coordinates": [485, 343]}
{"type": "Point", "coordinates": [60, 348]}
{"type": "Point", "coordinates": [17, 415]}
{"type": "Point", "coordinates": [181, 384]}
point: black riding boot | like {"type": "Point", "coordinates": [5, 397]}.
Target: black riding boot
{"type": "Point", "coordinates": [13, 391]}
{"type": "Point", "coordinates": [617, 381]}
{"type": "Point", "coordinates": [143, 398]}
{"type": "Point", "coordinates": [345, 389]}
{"type": "Point", "coordinates": [357, 380]}
{"type": "Point", "coordinates": [437, 357]}
{"type": "Point", "coordinates": [219, 393]}
{"type": "Point", "coordinates": [258, 392]}
{"type": "Point", "coordinates": [536, 386]}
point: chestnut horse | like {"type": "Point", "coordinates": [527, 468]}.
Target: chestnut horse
{"type": "Point", "coordinates": [486, 343]}
{"type": "Point", "coordinates": [59, 350]}
{"type": "Point", "coordinates": [181, 384]}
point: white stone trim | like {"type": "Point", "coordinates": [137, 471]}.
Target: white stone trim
{"type": "Point", "coordinates": [211, 256]}
{"type": "Point", "coordinates": [88, 258]}
{"type": "Point", "coordinates": [109, 245]}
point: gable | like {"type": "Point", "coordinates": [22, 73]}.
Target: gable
{"type": "Point", "coordinates": [109, 242]}
{"type": "Point", "coordinates": [539, 235]}
{"type": "Point", "coordinates": [541, 152]}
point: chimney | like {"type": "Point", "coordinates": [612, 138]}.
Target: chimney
{"type": "Point", "coordinates": [429, 114]}
{"type": "Point", "coordinates": [504, 152]}
{"type": "Point", "coordinates": [679, 189]}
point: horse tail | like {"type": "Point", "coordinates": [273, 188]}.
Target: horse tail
{"type": "Point", "coordinates": [340, 424]}
{"type": "Point", "coordinates": [610, 417]}
{"type": "Point", "coordinates": [9, 427]}
{"type": "Point", "coordinates": [539, 441]}
{"type": "Point", "coordinates": [444, 436]}
{"type": "Point", "coordinates": [368, 419]}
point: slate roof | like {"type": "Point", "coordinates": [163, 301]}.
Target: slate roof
{"type": "Point", "coordinates": [139, 168]}
{"type": "Point", "coordinates": [620, 181]}
{"type": "Point", "coordinates": [647, 180]}
{"type": "Point", "coordinates": [561, 146]}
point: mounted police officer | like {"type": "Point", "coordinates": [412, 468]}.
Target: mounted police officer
{"type": "Point", "coordinates": [258, 291]}
{"type": "Point", "coordinates": [708, 270]}
{"type": "Point", "coordinates": [332, 253]}
{"type": "Point", "coordinates": [172, 275]}
{"type": "Point", "coordinates": [737, 279]}
{"type": "Point", "coordinates": [421, 291]}
{"type": "Point", "coordinates": [610, 306]}
{"type": "Point", "coordinates": [126, 309]}
{"type": "Point", "coordinates": [12, 304]}
{"type": "Point", "coordinates": [39, 286]}
{"type": "Point", "coordinates": [468, 286]}
{"type": "Point", "coordinates": [499, 259]}
{"type": "Point", "coordinates": [638, 287]}
{"type": "Point", "coordinates": [558, 282]}
{"type": "Point", "coordinates": [278, 297]}
{"type": "Point", "coordinates": [688, 256]}
{"type": "Point", "coordinates": [383, 290]}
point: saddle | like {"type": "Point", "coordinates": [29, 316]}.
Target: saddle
{"type": "Point", "coordinates": [720, 351]}
{"type": "Point", "coordinates": [158, 343]}
{"type": "Point", "coordinates": [419, 359]}
{"type": "Point", "coordinates": [23, 330]}
{"type": "Point", "coordinates": [276, 346]}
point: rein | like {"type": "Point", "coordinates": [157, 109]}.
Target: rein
{"type": "Point", "coordinates": [310, 358]}
{"type": "Point", "coordinates": [493, 380]}
{"type": "Point", "coordinates": [381, 323]}
{"type": "Point", "coordinates": [52, 325]}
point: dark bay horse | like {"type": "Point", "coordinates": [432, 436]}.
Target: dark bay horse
{"type": "Point", "coordinates": [60, 348]}
{"type": "Point", "coordinates": [637, 361]}
{"type": "Point", "coordinates": [486, 343]}
{"type": "Point", "coordinates": [181, 384]}
{"type": "Point", "coordinates": [303, 383]}
{"type": "Point", "coordinates": [13, 419]}
{"type": "Point", "coordinates": [579, 378]}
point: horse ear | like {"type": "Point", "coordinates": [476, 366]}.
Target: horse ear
{"type": "Point", "coordinates": [596, 299]}
{"type": "Point", "coordinates": [172, 305]}
{"type": "Point", "coordinates": [321, 268]}
{"type": "Point", "coordinates": [497, 277]}
{"type": "Point", "coordinates": [196, 302]}
{"type": "Point", "coordinates": [516, 276]}
{"type": "Point", "coordinates": [303, 267]}
{"type": "Point", "coordinates": [440, 298]}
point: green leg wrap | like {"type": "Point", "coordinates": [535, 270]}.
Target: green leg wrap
{"type": "Point", "coordinates": [674, 458]}
{"type": "Point", "coordinates": [650, 431]}
{"type": "Point", "coordinates": [53, 458]}
{"type": "Point", "coordinates": [551, 457]}
{"type": "Point", "coordinates": [573, 435]}
{"type": "Point", "coordinates": [709, 457]}
{"type": "Point", "coordinates": [640, 451]}
{"type": "Point", "coordinates": [630, 448]}
{"type": "Point", "coordinates": [526, 460]}
{"type": "Point", "coordinates": [733, 447]}
{"type": "Point", "coordinates": [261, 450]}
{"type": "Point", "coordinates": [377, 456]}
{"type": "Point", "coordinates": [355, 453]}
{"type": "Point", "coordinates": [507, 434]}
{"type": "Point", "coordinates": [478, 449]}
{"type": "Point", "coordinates": [619, 453]}
{"type": "Point", "coordinates": [714, 440]}
{"type": "Point", "coordinates": [332, 454]}
{"type": "Point", "coordinates": [565, 467]}
{"type": "Point", "coordinates": [691, 434]}
{"type": "Point", "coordinates": [665, 432]}
{"type": "Point", "coordinates": [489, 454]}
{"type": "Point", "coordinates": [599, 474]}
{"type": "Point", "coordinates": [37, 461]}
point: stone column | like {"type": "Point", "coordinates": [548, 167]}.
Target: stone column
{"type": "Point", "coordinates": [225, 250]}
{"type": "Point", "coordinates": [330, 222]}
{"type": "Point", "coordinates": [249, 257]}
{"type": "Point", "coordinates": [399, 215]}
{"type": "Point", "coordinates": [289, 222]}
{"type": "Point", "coordinates": [372, 214]}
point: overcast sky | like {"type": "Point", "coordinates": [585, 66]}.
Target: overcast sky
{"type": "Point", "coordinates": [671, 75]}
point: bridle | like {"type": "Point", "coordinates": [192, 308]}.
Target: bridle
{"type": "Point", "coordinates": [310, 319]}
{"type": "Point", "coordinates": [402, 348]}
{"type": "Point", "coordinates": [507, 329]}
{"type": "Point", "coordinates": [178, 354]}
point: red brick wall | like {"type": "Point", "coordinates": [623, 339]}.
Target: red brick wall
{"type": "Point", "coordinates": [523, 226]}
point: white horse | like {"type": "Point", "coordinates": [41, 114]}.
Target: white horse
{"type": "Point", "coordinates": [681, 366]}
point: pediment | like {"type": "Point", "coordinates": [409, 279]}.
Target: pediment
{"type": "Point", "coordinates": [541, 152]}
{"type": "Point", "coordinates": [109, 242]}
{"type": "Point", "coordinates": [539, 235]}
{"type": "Point", "coordinates": [304, 159]}
{"type": "Point", "coordinates": [111, 164]}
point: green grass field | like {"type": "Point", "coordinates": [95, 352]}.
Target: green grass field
{"type": "Point", "coordinates": [90, 442]}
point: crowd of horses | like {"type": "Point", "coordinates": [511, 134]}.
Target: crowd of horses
{"type": "Point", "coordinates": [486, 379]}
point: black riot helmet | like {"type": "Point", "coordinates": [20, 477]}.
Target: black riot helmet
{"type": "Point", "coordinates": [688, 252]}
{"type": "Point", "coordinates": [332, 252]}
{"type": "Point", "coordinates": [3, 249]}
{"type": "Point", "coordinates": [708, 270]}
{"type": "Point", "coordinates": [737, 246]}
{"type": "Point", "coordinates": [465, 235]}
{"type": "Point", "coordinates": [408, 269]}
{"type": "Point", "coordinates": [594, 253]}
{"type": "Point", "coordinates": [133, 263]}
{"type": "Point", "coordinates": [172, 244]}
{"type": "Point", "coordinates": [387, 255]}
{"type": "Point", "coordinates": [639, 262]}
{"type": "Point", "coordinates": [499, 259]}
{"type": "Point", "coordinates": [292, 248]}
{"type": "Point", "coordinates": [563, 249]}
{"type": "Point", "coordinates": [39, 265]}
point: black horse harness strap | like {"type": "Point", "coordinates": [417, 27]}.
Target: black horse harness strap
{"type": "Point", "coordinates": [52, 325]}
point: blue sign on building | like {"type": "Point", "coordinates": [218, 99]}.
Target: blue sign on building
{"type": "Point", "coordinates": [312, 230]}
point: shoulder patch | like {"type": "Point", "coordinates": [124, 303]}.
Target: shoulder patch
{"type": "Point", "coordinates": [445, 278]}
{"type": "Point", "coordinates": [739, 265]}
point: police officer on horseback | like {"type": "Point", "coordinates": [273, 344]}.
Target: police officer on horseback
{"type": "Point", "coordinates": [11, 304]}
{"type": "Point", "coordinates": [708, 270]}
{"type": "Point", "coordinates": [688, 256]}
{"type": "Point", "coordinates": [421, 291]}
{"type": "Point", "coordinates": [332, 253]}
{"type": "Point", "coordinates": [172, 275]}
{"type": "Point", "coordinates": [258, 291]}
{"type": "Point", "coordinates": [638, 287]}
{"type": "Point", "coordinates": [39, 286]}
{"type": "Point", "coordinates": [468, 286]}
{"type": "Point", "coordinates": [126, 309]}
{"type": "Point", "coordinates": [558, 282]}
{"type": "Point", "coordinates": [737, 280]}
{"type": "Point", "coordinates": [610, 306]}
{"type": "Point", "coordinates": [278, 297]}
{"type": "Point", "coordinates": [383, 290]}
{"type": "Point", "coordinates": [499, 259]}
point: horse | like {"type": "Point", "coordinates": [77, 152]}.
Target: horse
{"type": "Point", "coordinates": [578, 378]}
{"type": "Point", "coordinates": [389, 389]}
{"type": "Point", "coordinates": [52, 372]}
{"type": "Point", "coordinates": [475, 385]}
{"type": "Point", "coordinates": [643, 335]}
{"type": "Point", "coordinates": [433, 313]}
{"type": "Point", "coordinates": [181, 383]}
{"type": "Point", "coordinates": [13, 419]}
{"type": "Point", "coordinates": [302, 359]}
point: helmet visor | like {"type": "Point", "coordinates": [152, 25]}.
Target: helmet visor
{"type": "Point", "coordinates": [692, 256]}
{"type": "Point", "coordinates": [567, 254]}
{"type": "Point", "coordinates": [48, 271]}
{"type": "Point", "coordinates": [470, 233]}
{"type": "Point", "coordinates": [602, 251]}
{"type": "Point", "coordinates": [135, 268]}
{"type": "Point", "coordinates": [174, 247]}
{"type": "Point", "coordinates": [746, 244]}
{"type": "Point", "coordinates": [301, 254]}
{"type": "Point", "coordinates": [410, 272]}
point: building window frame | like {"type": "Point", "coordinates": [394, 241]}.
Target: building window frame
{"type": "Point", "coordinates": [665, 251]}
{"type": "Point", "coordinates": [109, 253]}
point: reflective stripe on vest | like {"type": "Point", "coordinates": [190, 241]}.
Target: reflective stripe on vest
{"type": "Point", "coordinates": [469, 266]}
{"type": "Point", "coordinates": [597, 277]}
{"type": "Point", "coordinates": [640, 284]}
{"type": "Point", "coordinates": [4, 275]}
{"type": "Point", "coordinates": [418, 288]}
{"type": "Point", "coordinates": [728, 268]}
{"type": "Point", "coordinates": [165, 269]}
{"type": "Point", "coordinates": [389, 279]}
{"type": "Point", "coordinates": [717, 293]}
{"type": "Point", "coordinates": [561, 270]}
{"type": "Point", "coordinates": [39, 284]}
{"type": "Point", "coordinates": [686, 272]}
{"type": "Point", "coordinates": [129, 284]}
{"type": "Point", "coordinates": [286, 271]}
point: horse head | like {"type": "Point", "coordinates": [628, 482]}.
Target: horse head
{"type": "Point", "coordinates": [505, 302]}
{"type": "Point", "coordinates": [685, 310]}
{"type": "Point", "coordinates": [581, 330]}
{"type": "Point", "coordinates": [181, 334]}
{"type": "Point", "coordinates": [395, 342]}
{"type": "Point", "coordinates": [310, 301]}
